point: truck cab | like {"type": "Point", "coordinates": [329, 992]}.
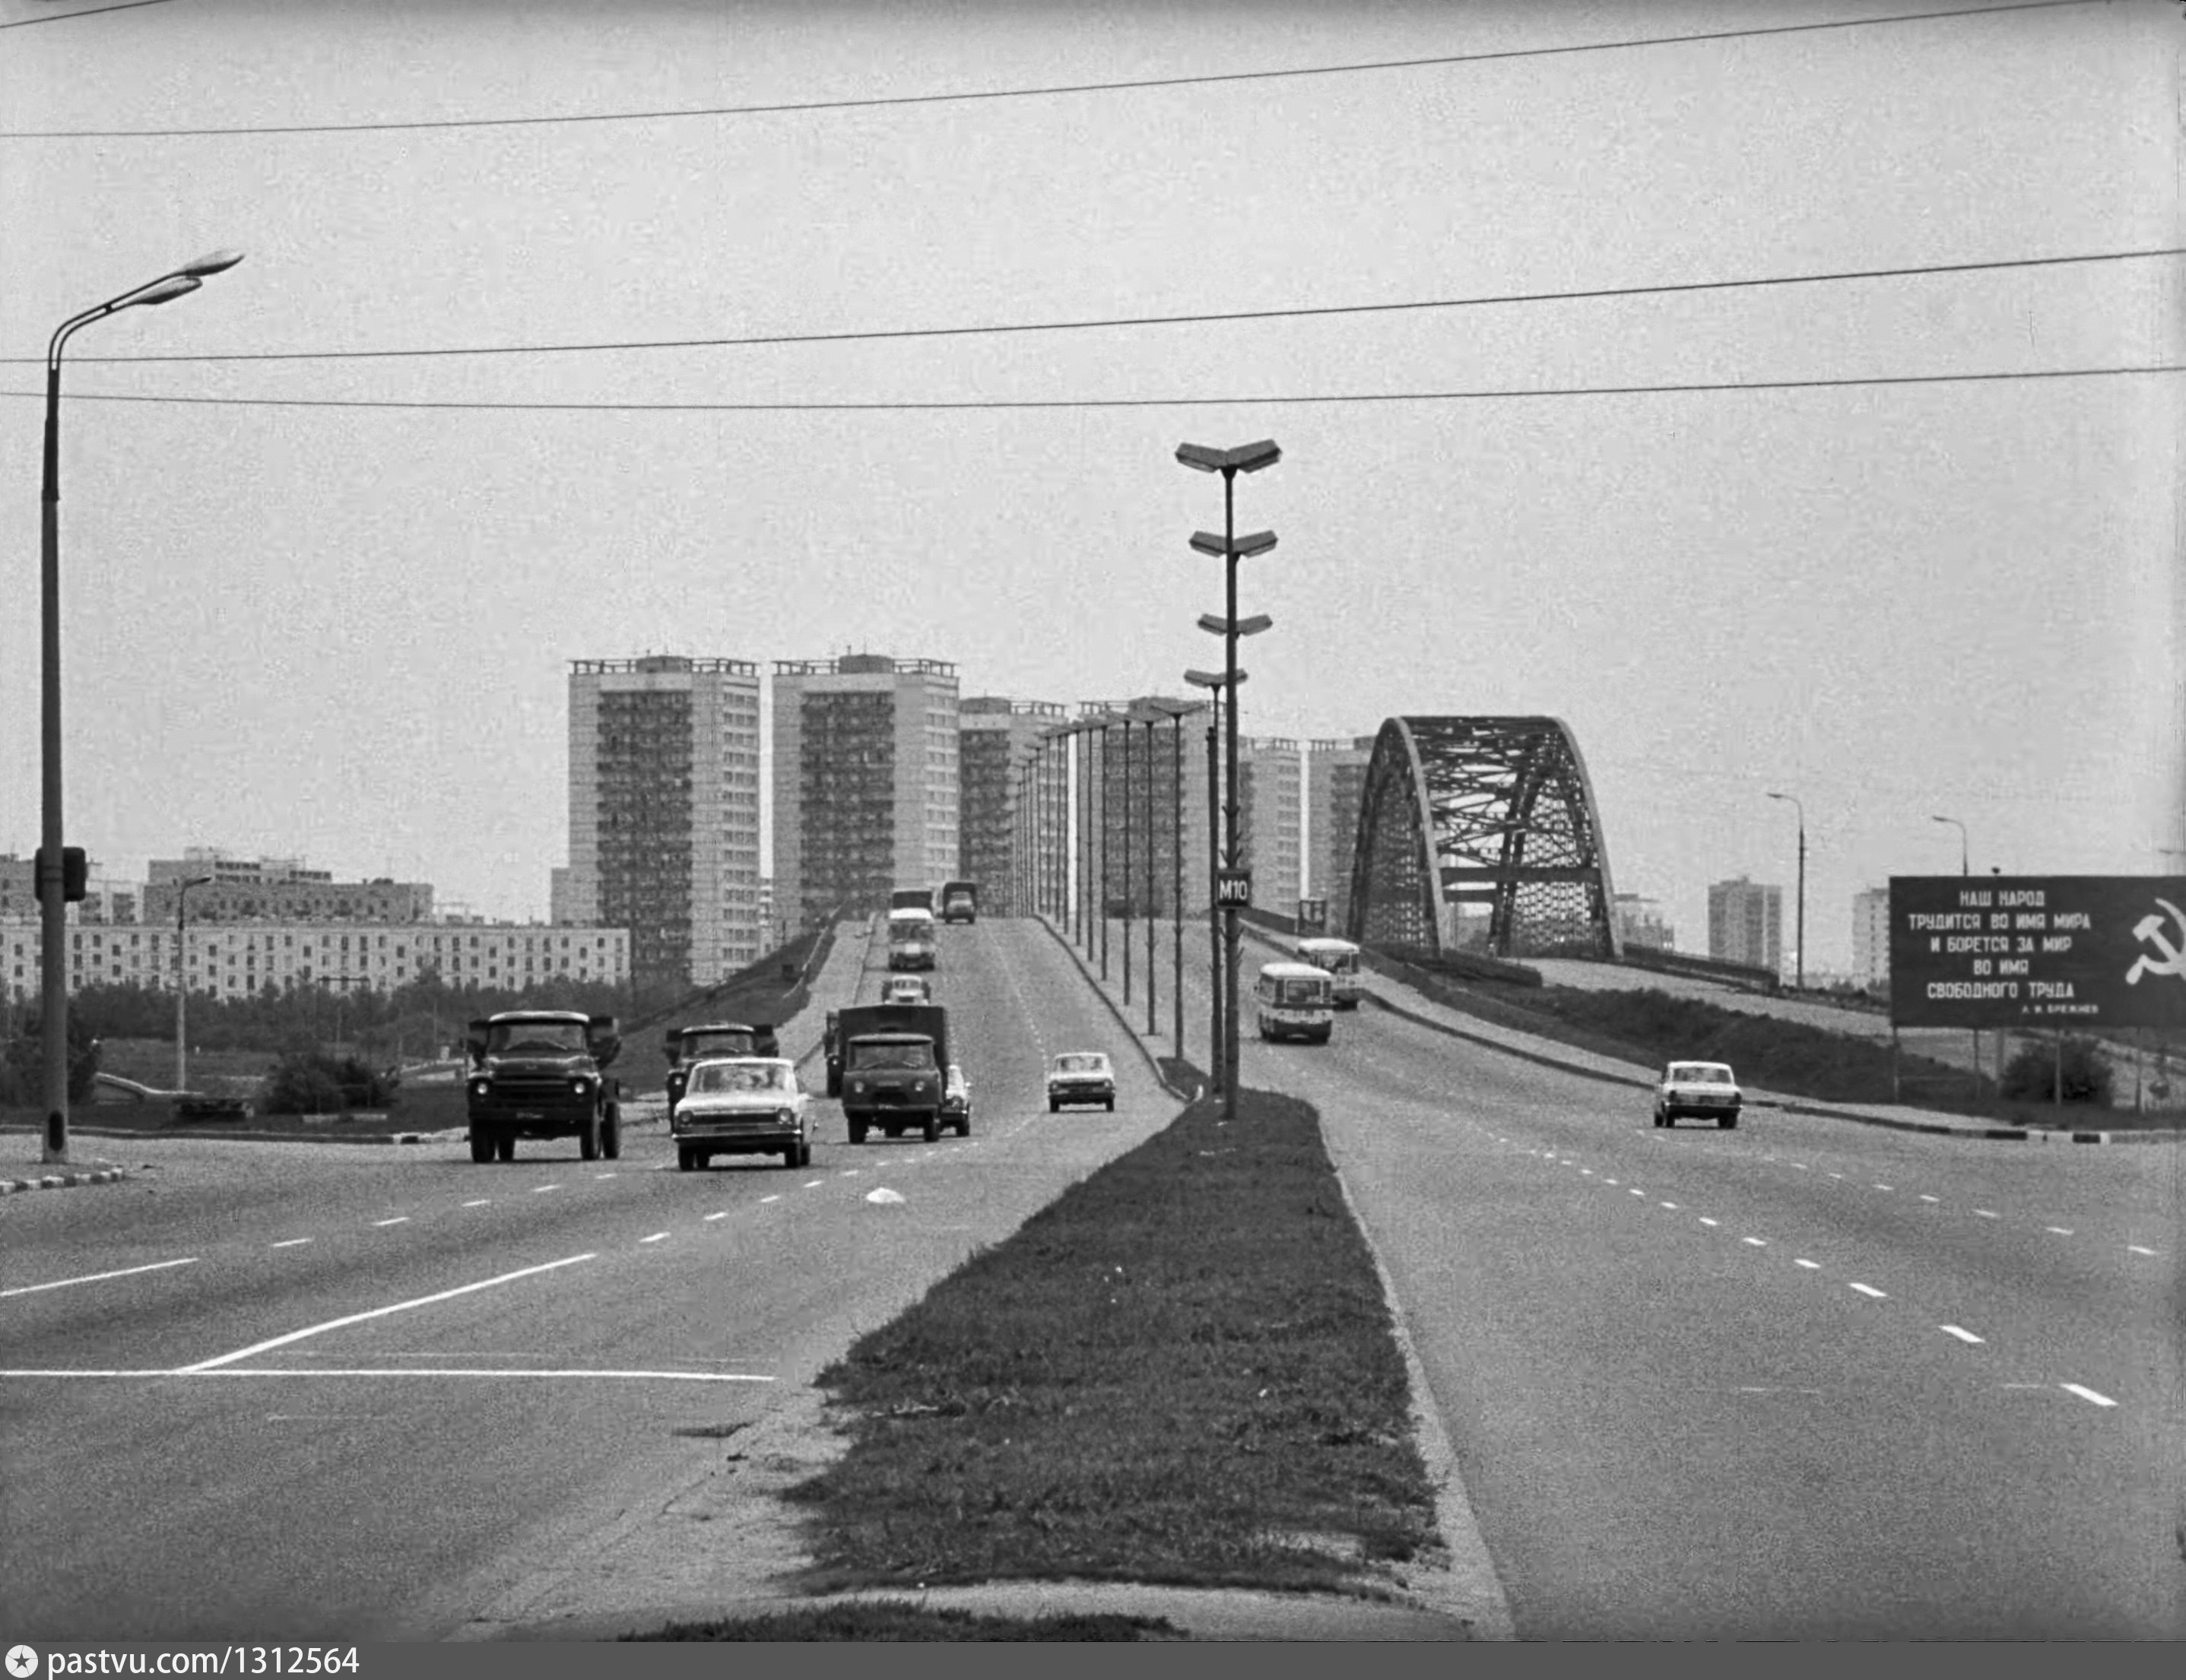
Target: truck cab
{"type": "Point", "coordinates": [685, 1045]}
{"type": "Point", "coordinates": [542, 1073]}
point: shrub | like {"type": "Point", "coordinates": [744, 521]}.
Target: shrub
{"type": "Point", "coordinates": [2033, 1075]}
{"type": "Point", "coordinates": [23, 1067]}
{"type": "Point", "coordinates": [312, 1083]}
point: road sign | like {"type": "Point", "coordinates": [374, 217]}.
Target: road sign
{"type": "Point", "coordinates": [2057, 950]}
{"type": "Point", "coordinates": [1233, 887]}
{"type": "Point", "coordinates": [1312, 915]}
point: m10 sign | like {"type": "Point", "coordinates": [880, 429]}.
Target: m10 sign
{"type": "Point", "coordinates": [2053, 951]}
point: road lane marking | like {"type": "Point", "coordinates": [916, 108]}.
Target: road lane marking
{"type": "Point", "coordinates": [1962, 1334]}
{"type": "Point", "coordinates": [603, 1175]}
{"type": "Point", "coordinates": [483, 1201]}
{"type": "Point", "coordinates": [1609, 1181]}
{"type": "Point", "coordinates": [410, 1371]}
{"type": "Point", "coordinates": [2057, 1230]}
{"type": "Point", "coordinates": [814, 1184]}
{"type": "Point", "coordinates": [1587, 1172]}
{"type": "Point", "coordinates": [1931, 1198]}
{"type": "Point", "coordinates": [657, 1236]}
{"type": "Point", "coordinates": [1836, 1175]}
{"type": "Point", "coordinates": [2087, 1394]}
{"type": "Point", "coordinates": [1636, 1192]}
{"type": "Point", "coordinates": [1882, 1187]}
{"type": "Point", "coordinates": [2135, 1248]}
{"type": "Point", "coordinates": [101, 1277]}
{"type": "Point", "coordinates": [765, 1199]}
{"type": "Point", "coordinates": [1759, 1242]}
{"type": "Point", "coordinates": [1811, 1265]}
{"type": "Point", "coordinates": [291, 1242]}
{"type": "Point", "coordinates": [1871, 1290]}
{"type": "Point", "coordinates": [1801, 1165]}
{"type": "Point", "coordinates": [378, 1312]}
{"type": "Point", "coordinates": [398, 1219]}
{"type": "Point", "coordinates": [541, 1190]}
{"type": "Point", "coordinates": [1672, 1206]}
{"type": "Point", "coordinates": [1705, 1220]}
{"type": "Point", "coordinates": [852, 1171]}
{"type": "Point", "coordinates": [1986, 1213]}
{"type": "Point", "coordinates": [723, 1214]}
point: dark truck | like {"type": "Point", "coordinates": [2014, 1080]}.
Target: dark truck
{"type": "Point", "coordinates": [895, 1070]}
{"type": "Point", "coordinates": [960, 901]}
{"type": "Point", "coordinates": [688, 1045]}
{"type": "Point", "coordinates": [542, 1073]}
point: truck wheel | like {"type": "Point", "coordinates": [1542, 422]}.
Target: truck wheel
{"type": "Point", "coordinates": [932, 1129]}
{"type": "Point", "coordinates": [789, 1155]}
{"type": "Point", "coordinates": [481, 1146]}
{"type": "Point", "coordinates": [588, 1141]}
{"type": "Point", "coordinates": [1726, 1123]}
{"type": "Point", "coordinates": [611, 1135]}
{"type": "Point", "coordinates": [686, 1159]}
{"type": "Point", "coordinates": [857, 1131]}
{"type": "Point", "coordinates": [834, 1083]}
{"type": "Point", "coordinates": [964, 1127]}
{"type": "Point", "coordinates": [504, 1148]}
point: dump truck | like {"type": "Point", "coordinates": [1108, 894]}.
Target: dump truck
{"type": "Point", "coordinates": [542, 1073]}
{"type": "Point", "coordinates": [960, 901]}
{"type": "Point", "coordinates": [687, 1044]}
{"type": "Point", "coordinates": [895, 1069]}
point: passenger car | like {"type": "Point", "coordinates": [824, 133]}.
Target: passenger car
{"type": "Point", "coordinates": [741, 1105]}
{"type": "Point", "coordinates": [907, 988]}
{"type": "Point", "coordinates": [956, 1102]}
{"type": "Point", "coordinates": [1703, 1090]}
{"type": "Point", "coordinates": [1080, 1078]}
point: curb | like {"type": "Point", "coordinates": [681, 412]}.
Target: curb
{"type": "Point", "coordinates": [101, 1175]}
{"type": "Point", "coordinates": [1153, 1061]}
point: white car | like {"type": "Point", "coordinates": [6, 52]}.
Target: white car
{"type": "Point", "coordinates": [742, 1105]}
{"type": "Point", "coordinates": [1702, 1090]}
{"type": "Point", "coordinates": [1080, 1078]}
{"type": "Point", "coordinates": [907, 988]}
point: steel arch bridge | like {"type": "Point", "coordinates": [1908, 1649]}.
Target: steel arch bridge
{"type": "Point", "coordinates": [1459, 811]}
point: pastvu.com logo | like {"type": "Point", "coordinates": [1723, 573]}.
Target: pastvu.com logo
{"type": "Point", "coordinates": [22, 1662]}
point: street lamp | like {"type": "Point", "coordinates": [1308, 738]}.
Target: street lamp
{"type": "Point", "coordinates": [1217, 1035]}
{"type": "Point", "coordinates": [1961, 827]}
{"type": "Point", "coordinates": [1176, 711]}
{"type": "Point", "coordinates": [1147, 717]}
{"type": "Point", "coordinates": [1799, 972]}
{"type": "Point", "coordinates": [54, 956]}
{"type": "Point", "coordinates": [1251, 457]}
{"type": "Point", "coordinates": [182, 981]}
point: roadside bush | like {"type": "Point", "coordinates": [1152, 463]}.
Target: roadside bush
{"type": "Point", "coordinates": [22, 1068]}
{"type": "Point", "coordinates": [316, 1084]}
{"type": "Point", "coordinates": [2032, 1075]}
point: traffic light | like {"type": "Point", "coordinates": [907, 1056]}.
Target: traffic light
{"type": "Point", "coordinates": [75, 875]}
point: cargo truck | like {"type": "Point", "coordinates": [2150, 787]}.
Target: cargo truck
{"type": "Point", "coordinates": [960, 901]}
{"type": "Point", "coordinates": [542, 1073]}
{"type": "Point", "coordinates": [895, 1070]}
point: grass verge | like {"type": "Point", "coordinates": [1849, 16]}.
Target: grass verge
{"type": "Point", "coordinates": [1182, 1371]}
{"type": "Point", "coordinates": [898, 1619]}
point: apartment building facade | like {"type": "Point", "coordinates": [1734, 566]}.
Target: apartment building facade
{"type": "Point", "coordinates": [1270, 797]}
{"type": "Point", "coordinates": [1143, 788]}
{"type": "Point", "coordinates": [1335, 781]}
{"type": "Point", "coordinates": [1871, 937]}
{"type": "Point", "coordinates": [1015, 788]}
{"type": "Point", "coordinates": [1746, 923]}
{"type": "Point", "coordinates": [274, 889]}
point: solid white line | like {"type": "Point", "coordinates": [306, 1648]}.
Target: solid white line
{"type": "Point", "coordinates": [1758, 1242]}
{"type": "Point", "coordinates": [481, 1202]}
{"type": "Point", "coordinates": [291, 1242]}
{"type": "Point", "coordinates": [1705, 1220]}
{"type": "Point", "coordinates": [1986, 1213]}
{"type": "Point", "coordinates": [398, 1219]}
{"type": "Point", "coordinates": [1811, 1265]}
{"type": "Point", "coordinates": [2056, 1231]}
{"type": "Point", "coordinates": [101, 1277]}
{"type": "Point", "coordinates": [723, 1214]}
{"type": "Point", "coordinates": [1869, 1290]}
{"type": "Point", "coordinates": [2087, 1394]}
{"type": "Point", "coordinates": [657, 1236]}
{"type": "Point", "coordinates": [377, 1313]}
{"type": "Point", "coordinates": [1963, 1335]}
{"type": "Point", "coordinates": [2135, 1248]}
{"type": "Point", "coordinates": [444, 1371]}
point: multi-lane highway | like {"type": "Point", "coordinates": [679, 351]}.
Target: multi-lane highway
{"type": "Point", "coordinates": [279, 1391]}
{"type": "Point", "coordinates": [1801, 1379]}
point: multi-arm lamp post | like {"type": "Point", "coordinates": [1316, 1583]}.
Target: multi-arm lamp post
{"type": "Point", "coordinates": [1218, 1063]}
{"type": "Point", "coordinates": [1229, 462]}
{"type": "Point", "coordinates": [1799, 962]}
{"type": "Point", "coordinates": [182, 979]}
{"type": "Point", "coordinates": [52, 959]}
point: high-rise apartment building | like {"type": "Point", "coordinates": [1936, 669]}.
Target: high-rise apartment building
{"type": "Point", "coordinates": [1147, 788]}
{"type": "Point", "coordinates": [1746, 923]}
{"type": "Point", "coordinates": [866, 781]}
{"type": "Point", "coordinates": [663, 812]}
{"type": "Point", "coordinates": [1335, 780]}
{"type": "Point", "coordinates": [1270, 797]}
{"type": "Point", "coordinates": [1640, 922]}
{"type": "Point", "coordinates": [1007, 819]}
{"type": "Point", "coordinates": [275, 889]}
{"type": "Point", "coordinates": [1870, 936]}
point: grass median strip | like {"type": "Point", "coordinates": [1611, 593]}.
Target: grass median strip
{"type": "Point", "coordinates": [1182, 1371]}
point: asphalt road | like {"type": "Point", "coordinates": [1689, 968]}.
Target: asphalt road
{"type": "Point", "coordinates": [1802, 1380]}
{"type": "Point", "coordinates": [288, 1391]}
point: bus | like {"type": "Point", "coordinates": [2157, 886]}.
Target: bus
{"type": "Point", "coordinates": [910, 943]}
{"type": "Point", "coordinates": [1295, 1001]}
{"type": "Point", "coordinates": [1340, 957]}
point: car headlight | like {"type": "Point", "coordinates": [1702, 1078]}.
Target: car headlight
{"type": "Point", "coordinates": [580, 1084]}
{"type": "Point", "coordinates": [786, 1116]}
{"type": "Point", "coordinates": [481, 1087]}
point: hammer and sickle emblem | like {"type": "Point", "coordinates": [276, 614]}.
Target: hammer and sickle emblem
{"type": "Point", "coordinates": [2149, 929]}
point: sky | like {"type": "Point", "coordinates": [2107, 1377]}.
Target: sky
{"type": "Point", "coordinates": [1829, 538]}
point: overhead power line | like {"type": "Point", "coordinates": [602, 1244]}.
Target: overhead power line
{"type": "Point", "coordinates": [89, 12]}
{"type": "Point", "coordinates": [1051, 92]}
{"type": "Point", "coordinates": [1299, 399]}
{"type": "Point", "coordinates": [1110, 322]}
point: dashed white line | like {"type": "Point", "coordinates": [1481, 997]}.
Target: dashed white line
{"type": "Point", "coordinates": [101, 1277]}
{"type": "Point", "coordinates": [1871, 1290]}
{"type": "Point", "coordinates": [1959, 1331]}
{"type": "Point", "coordinates": [1586, 1171]}
{"type": "Point", "coordinates": [481, 1202]}
{"type": "Point", "coordinates": [2087, 1394]}
{"type": "Point", "coordinates": [1931, 1198]}
{"type": "Point", "coordinates": [848, 1173]}
{"type": "Point", "coordinates": [2057, 1230]}
{"type": "Point", "coordinates": [1986, 1213]}
{"type": "Point", "coordinates": [1882, 1187]}
{"type": "Point", "coordinates": [2135, 1248]}
{"type": "Point", "coordinates": [723, 1214]}
{"type": "Point", "coordinates": [541, 1190]}
{"type": "Point", "coordinates": [1705, 1220]}
{"type": "Point", "coordinates": [398, 1219]}
{"type": "Point", "coordinates": [1672, 1206]}
{"type": "Point", "coordinates": [657, 1236]}
{"type": "Point", "coordinates": [1635, 1192]}
{"type": "Point", "coordinates": [1836, 1175]}
{"type": "Point", "coordinates": [1801, 1165]}
{"type": "Point", "coordinates": [291, 1242]}
{"type": "Point", "coordinates": [1758, 1242]}
{"type": "Point", "coordinates": [1811, 1265]}
{"type": "Point", "coordinates": [603, 1175]}
{"type": "Point", "coordinates": [765, 1199]}
{"type": "Point", "coordinates": [814, 1184]}
{"type": "Point", "coordinates": [1609, 1181]}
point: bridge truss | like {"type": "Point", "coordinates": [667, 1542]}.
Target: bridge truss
{"type": "Point", "coordinates": [1457, 812]}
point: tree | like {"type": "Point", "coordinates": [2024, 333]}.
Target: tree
{"type": "Point", "coordinates": [23, 1069]}
{"type": "Point", "coordinates": [2032, 1075]}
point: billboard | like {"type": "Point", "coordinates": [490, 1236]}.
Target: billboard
{"type": "Point", "coordinates": [2037, 950]}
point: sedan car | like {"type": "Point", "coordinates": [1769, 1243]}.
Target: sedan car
{"type": "Point", "coordinates": [907, 988]}
{"type": "Point", "coordinates": [743, 1105]}
{"type": "Point", "coordinates": [1080, 1078]}
{"type": "Point", "coordinates": [1703, 1090]}
{"type": "Point", "coordinates": [956, 1102]}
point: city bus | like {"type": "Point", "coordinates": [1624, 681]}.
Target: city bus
{"type": "Point", "coordinates": [1295, 1001]}
{"type": "Point", "coordinates": [910, 941]}
{"type": "Point", "coordinates": [1340, 957]}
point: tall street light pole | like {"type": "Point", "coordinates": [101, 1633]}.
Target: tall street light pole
{"type": "Point", "coordinates": [1961, 827]}
{"type": "Point", "coordinates": [53, 962]}
{"type": "Point", "coordinates": [1799, 962]}
{"type": "Point", "coordinates": [1125, 722]}
{"type": "Point", "coordinates": [182, 980]}
{"type": "Point", "coordinates": [1216, 683]}
{"type": "Point", "coordinates": [1229, 462]}
{"type": "Point", "coordinates": [1146, 718]}
{"type": "Point", "coordinates": [1176, 711]}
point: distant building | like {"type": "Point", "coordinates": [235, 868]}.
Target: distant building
{"type": "Point", "coordinates": [1148, 791]}
{"type": "Point", "coordinates": [1871, 937]}
{"type": "Point", "coordinates": [275, 889]}
{"type": "Point", "coordinates": [1640, 922]}
{"type": "Point", "coordinates": [866, 788]}
{"type": "Point", "coordinates": [1335, 781]}
{"type": "Point", "coordinates": [998, 739]}
{"type": "Point", "coordinates": [1270, 798]}
{"type": "Point", "coordinates": [105, 902]}
{"type": "Point", "coordinates": [663, 812]}
{"type": "Point", "coordinates": [235, 959]}
{"type": "Point", "coordinates": [1745, 924]}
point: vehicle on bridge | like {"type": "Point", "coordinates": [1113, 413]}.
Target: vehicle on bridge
{"type": "Point", "coordinates": [745, 1105]}
{"type": "Point", "coordinates": [542, 1073]}
{"type": "Point", "coordinates": [895, 1058]}
{"type": "Point", "coordinates": [1295, 1001]}
{"type": "Point", "coordinates": [913, 898]}
{"type": "Point", "coordinates": [1340, 959]}
{"type": "Point", "coordinates": [956, 1102]}
{"type": "Point", "coordinates": [686, 1046]}
{"type": "Point", "coordinates": [910, 941]}
{"type": "Point", "coordinates": [1079, 1079]}
{"type": "Point", "coordinates": [907, 988]}
{"type": "Point", "coordinates": [1700, 1091]}
{"type": "Point", "coordinates": [960, 901]}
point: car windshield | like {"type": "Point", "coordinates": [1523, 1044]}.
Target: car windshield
{"type": "Point", "coordinates": [891, 1056]}
{"type": "Point", "coordinates": [1301, 991]}
{"type": "Point", "coordinates": [554, 1038]}
{"type": "Point", "coordinates": [733, 1079]}
{"type": "Point", "coordinates": [1701, 1073]}
{"type": "Point", "coordinates": [1081, 1064]}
